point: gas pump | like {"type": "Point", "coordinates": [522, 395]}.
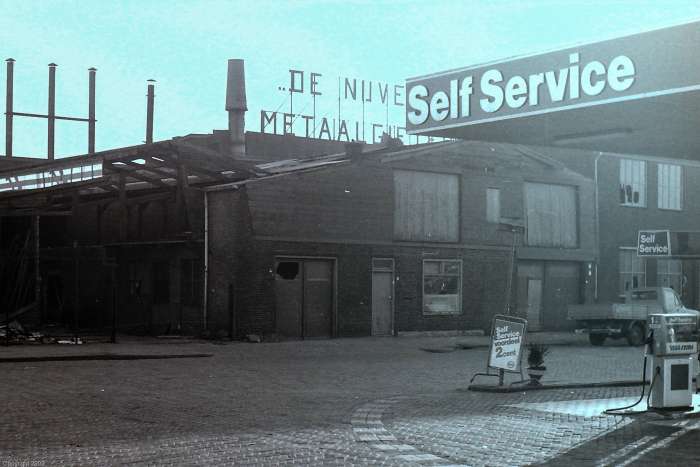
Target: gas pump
{"type": "Point", "coordinates": [673, 346]}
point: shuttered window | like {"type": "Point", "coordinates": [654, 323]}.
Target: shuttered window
{"type": "Point", "coordinates": [632, 270]}
{"type": "Point", "coordinates": [493, 205]}
{"type": "Point", "coordinates": [426, 206]}
{"type": "Point", "coordinates": [552, 215]}
{"type": "Point", "coordinates": [670, 194]}
{"type": "Point", "coordinates": [633, 183]}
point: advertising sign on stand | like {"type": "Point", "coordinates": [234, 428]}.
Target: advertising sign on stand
{"type": "Point", "coordinates": [507, 336]}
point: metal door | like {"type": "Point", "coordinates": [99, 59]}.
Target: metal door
{"type": "Point", "coordinates": [318, 298]}
{"type": "Point", "coordinates": [534, 304]}
{"type": "Point", "coordinates": [382, 297]}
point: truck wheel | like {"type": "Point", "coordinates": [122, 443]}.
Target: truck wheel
{"type": "Point", "coordinates": [596, 339]}
{"type": "Point", "coordinates": [635, 335]}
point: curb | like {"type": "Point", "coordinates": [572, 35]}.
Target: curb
{"type": "Point", "coordinates": [525, 387]}
{"type": "Point", "coordinates": [70, 358]}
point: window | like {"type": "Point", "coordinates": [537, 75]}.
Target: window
{"type": "Point", "coordinates": [161, 282]}
{"type": "Point", "coordinates": [442, 287]}
{"type": "Point", "coordinates": [426, 206]}
{"type": "Point", "coordinates": [633, 183]}
{"type": "Point", "coordinates": [632, 270]}
{"type": "Point", "coordinates": [669, 196]}
{"type": "Point", "coordinates": [493, 205]}
{"type": "Point", "coordinates": [191, 281]}
{"type": "Point", "coordinates": [669, 273]}
{"type": "Point", "coordinates": [552, 215]}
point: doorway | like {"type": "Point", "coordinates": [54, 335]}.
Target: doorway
{"type": "Point", "coordinates": [304, 297]}
{"type": "Point", "coordinates": [382, 296]}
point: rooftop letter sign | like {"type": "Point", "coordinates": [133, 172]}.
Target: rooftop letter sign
{"type": "Point", "coordinates": [654, 243]}
{"type": "Point", "coordinates": [640, 66]}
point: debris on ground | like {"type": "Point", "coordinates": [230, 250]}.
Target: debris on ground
{"type": "Point", "coordinates": [14, 333]}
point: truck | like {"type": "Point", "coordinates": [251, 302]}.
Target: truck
{"type": "Point", "coordinates": [628, 319]}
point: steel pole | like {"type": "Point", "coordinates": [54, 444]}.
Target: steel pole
{"type": "Point", "coordinates": [52, 110]}
{"type": "Point", "coordinates": [9, 106]}
{"type": "Point", "coordinates": [91, 111]}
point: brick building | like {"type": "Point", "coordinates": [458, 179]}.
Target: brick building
{"type": "Point", "coordinates": [641, 192]}
{"type": "Point", "coordinates": [399, 240]}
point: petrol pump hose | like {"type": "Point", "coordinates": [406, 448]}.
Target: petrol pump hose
{"type": "Point", "coordinates": [624, 410]}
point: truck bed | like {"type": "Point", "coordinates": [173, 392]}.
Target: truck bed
{"type": "Point", "coordinates": [612, 311]}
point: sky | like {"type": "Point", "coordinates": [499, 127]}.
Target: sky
{"type": "Point", "coordinates": [185, 45]}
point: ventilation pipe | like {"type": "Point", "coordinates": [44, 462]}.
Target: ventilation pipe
{"type": "Point", "coordinates": [236, 107]}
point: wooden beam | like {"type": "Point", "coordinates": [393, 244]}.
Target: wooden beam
{"type": "Point", "coordinates": [133, 174]}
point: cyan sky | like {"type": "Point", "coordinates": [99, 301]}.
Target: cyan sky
{"type": "Point", "coordinates": [184, 45]}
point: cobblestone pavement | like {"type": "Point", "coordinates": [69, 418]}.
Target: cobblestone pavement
{"type": "Point", "coordinates": [336, 402]}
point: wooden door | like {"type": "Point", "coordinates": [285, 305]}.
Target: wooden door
{"type": "Point", "coordinates": [382, 303]}
{"type": "Point", "coordinates": [289, 297]}
{"type": "Point", "coordinates": [318, 299]}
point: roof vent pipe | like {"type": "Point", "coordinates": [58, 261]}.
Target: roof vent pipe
{"type": "Point", "coordinates": [236, 106]}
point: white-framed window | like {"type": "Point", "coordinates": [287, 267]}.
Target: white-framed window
{"type": "Point", "coordinates": [493, 205]}
{"type": "Point", "coordinates": [442, 286]}
{"type": "Point", "coordinates": [669, 273]}
{"type": "Point", "coordinates": [632, 269]}
{"type": "Point", "coordinates": [633, 183]}
{"type": "Point", "coordinates": [670, 187]}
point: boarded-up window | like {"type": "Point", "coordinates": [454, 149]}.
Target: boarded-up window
{"type": "Point", "coordinates": [669, 186]}
{"type": "Point", "coordinates": [552, 215]}
{"type": "Point", "coordinates": [493, 205]}
{"type": "Point", "coordinates": [632, 270]}
{"type": "Point", "coordinates": [442, 287]}
{"type": "Point", "coordinates": [633, 183]}
{"type": "Point", "coordinates": [426, 206]}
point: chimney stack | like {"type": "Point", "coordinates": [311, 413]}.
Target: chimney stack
{"type": "Point", "coordinates": [236, 106]}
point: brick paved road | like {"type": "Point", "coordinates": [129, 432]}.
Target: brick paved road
{"type": "Point", "coordinates": [336, 402]}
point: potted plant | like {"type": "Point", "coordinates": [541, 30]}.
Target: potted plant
{"type": "Point", "coordinates": [535, 362]}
